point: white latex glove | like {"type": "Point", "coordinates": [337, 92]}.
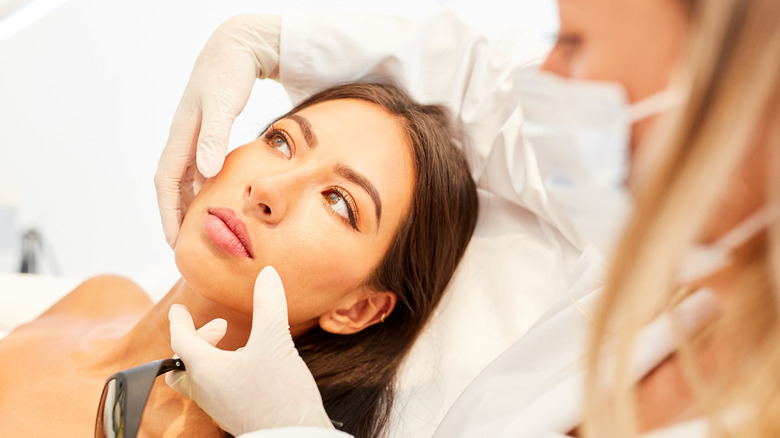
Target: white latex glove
{"type": "Point", "coordinates": [239, 51]}
{"type": "Point", "coordinates": [264, 385]}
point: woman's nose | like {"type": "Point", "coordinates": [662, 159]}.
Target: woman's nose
{"type": "Point", "coordinates": [556, 63]}
{"type": "Point", "coordinates": [267, 199]}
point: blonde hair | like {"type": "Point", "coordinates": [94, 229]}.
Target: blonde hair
{"type": "Point", "coordinates": [730, 76]}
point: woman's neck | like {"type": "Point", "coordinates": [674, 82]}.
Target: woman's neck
{"type": "Point", "coordinates": [149, 339]}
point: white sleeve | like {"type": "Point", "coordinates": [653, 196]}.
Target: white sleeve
{"type": "Point", "coordinates": [297, 432]}
{"type": "Point", "coordinates": [438, 58]}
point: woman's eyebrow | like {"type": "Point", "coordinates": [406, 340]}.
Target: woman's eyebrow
{"type": "Point", "coordinates": [308, 133]}
{"type": "Point", "coordinates": [355, 177]}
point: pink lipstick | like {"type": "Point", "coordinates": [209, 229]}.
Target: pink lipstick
{"type": "Point", "coordinates": [228, 231]}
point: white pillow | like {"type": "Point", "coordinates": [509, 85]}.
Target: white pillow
{"type": "Point", "coordinates": [513, 270]}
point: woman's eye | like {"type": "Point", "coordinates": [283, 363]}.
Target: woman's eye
{"type": "Point", "coordinates": [277, 139]}
{"type": "Point", "coordinates": [279, 143]}
{"type": "Point", "coordinates": [341, 203]}
{"type": "Point", "coordinates": [568, 43]}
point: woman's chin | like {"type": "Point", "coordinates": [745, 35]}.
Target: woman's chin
{"type": "Point", "coordinates": [214, 278]}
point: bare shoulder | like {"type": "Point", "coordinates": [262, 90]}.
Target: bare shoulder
{"type": "Point", "coordinates": [102, 296]}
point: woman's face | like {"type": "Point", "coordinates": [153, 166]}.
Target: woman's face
{"type": "Point", "coordinates": [320, 196]}
{"type": "Point", "coordinates": [635, 43]}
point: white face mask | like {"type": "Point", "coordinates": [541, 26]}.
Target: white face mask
{"type": "Point", "coordinates": [580, 133]}
{"type": "Point", "coordinates": [703, 260]}
{"type": "Point", "coordinates": [580, 129]}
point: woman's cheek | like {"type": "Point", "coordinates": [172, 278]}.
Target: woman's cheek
{"type": "Point", "coordinates": [319, 281]}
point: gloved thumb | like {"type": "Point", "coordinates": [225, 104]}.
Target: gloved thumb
{"type": "Point", "coordinates": [187, 342]}
{"type": "Point", "coordinates": [213, 139]}
{"type": "Point", "coordinates": [211, 332]}
{"type": "Point", "coordinates": [269, 314]}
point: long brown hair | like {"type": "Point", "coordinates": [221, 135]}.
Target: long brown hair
{"type": "Point", "coordinates": [356, 373]}
{"type": "Point", "coordinates": [731, 77]}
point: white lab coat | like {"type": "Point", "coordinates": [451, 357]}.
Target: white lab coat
{"type": "Point", "coordinates": [441, 59]}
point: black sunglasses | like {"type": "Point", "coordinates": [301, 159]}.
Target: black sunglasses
{"type": "Point", "coordinates": [124, 398]}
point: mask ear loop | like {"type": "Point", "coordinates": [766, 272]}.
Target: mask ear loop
{"type": "Point", "coordinates": [654, 104]}
{"type": "Point", "coordinates": [761, 219]}
{"type": "Point", "coordinates": [709, 259]}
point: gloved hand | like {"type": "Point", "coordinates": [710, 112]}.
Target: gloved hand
{"type": "Point", "coordinates": [264, 385]}
{"type": "Point", "coordinates": [239, 51]}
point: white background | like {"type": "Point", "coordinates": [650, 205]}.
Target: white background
{"type": "Point", "coordinates": [87, 93]}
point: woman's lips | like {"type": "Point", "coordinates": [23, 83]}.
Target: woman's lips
{"type": "Point", "coordinates": [228, 231]}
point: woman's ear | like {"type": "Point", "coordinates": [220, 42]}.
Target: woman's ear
{"type": "Point", "coordinates": [368, 308]}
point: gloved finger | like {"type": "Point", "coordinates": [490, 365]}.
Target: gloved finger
{"type": "Point", "coordinates": [168, 201]}
{"type": "Point", "coordinates": [179, 381]}
{"type": "Point", "coordinates": [213, 137]}
{"type": "Point", "coordinates": [173, 166]}
{"type": "Point", "coordinates": [191, 183]}
{"type": "Point", "coordinates": [213, 331]}
{"type": "Point", "coordinates": [184, 338]}
{"type": "Point", "coordinates": [270, 306]}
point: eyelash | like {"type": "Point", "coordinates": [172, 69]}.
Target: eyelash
{"type": "Point", "coordinates": [274, 132]}
{"type": "Point", "coordinates": [348, 200]}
